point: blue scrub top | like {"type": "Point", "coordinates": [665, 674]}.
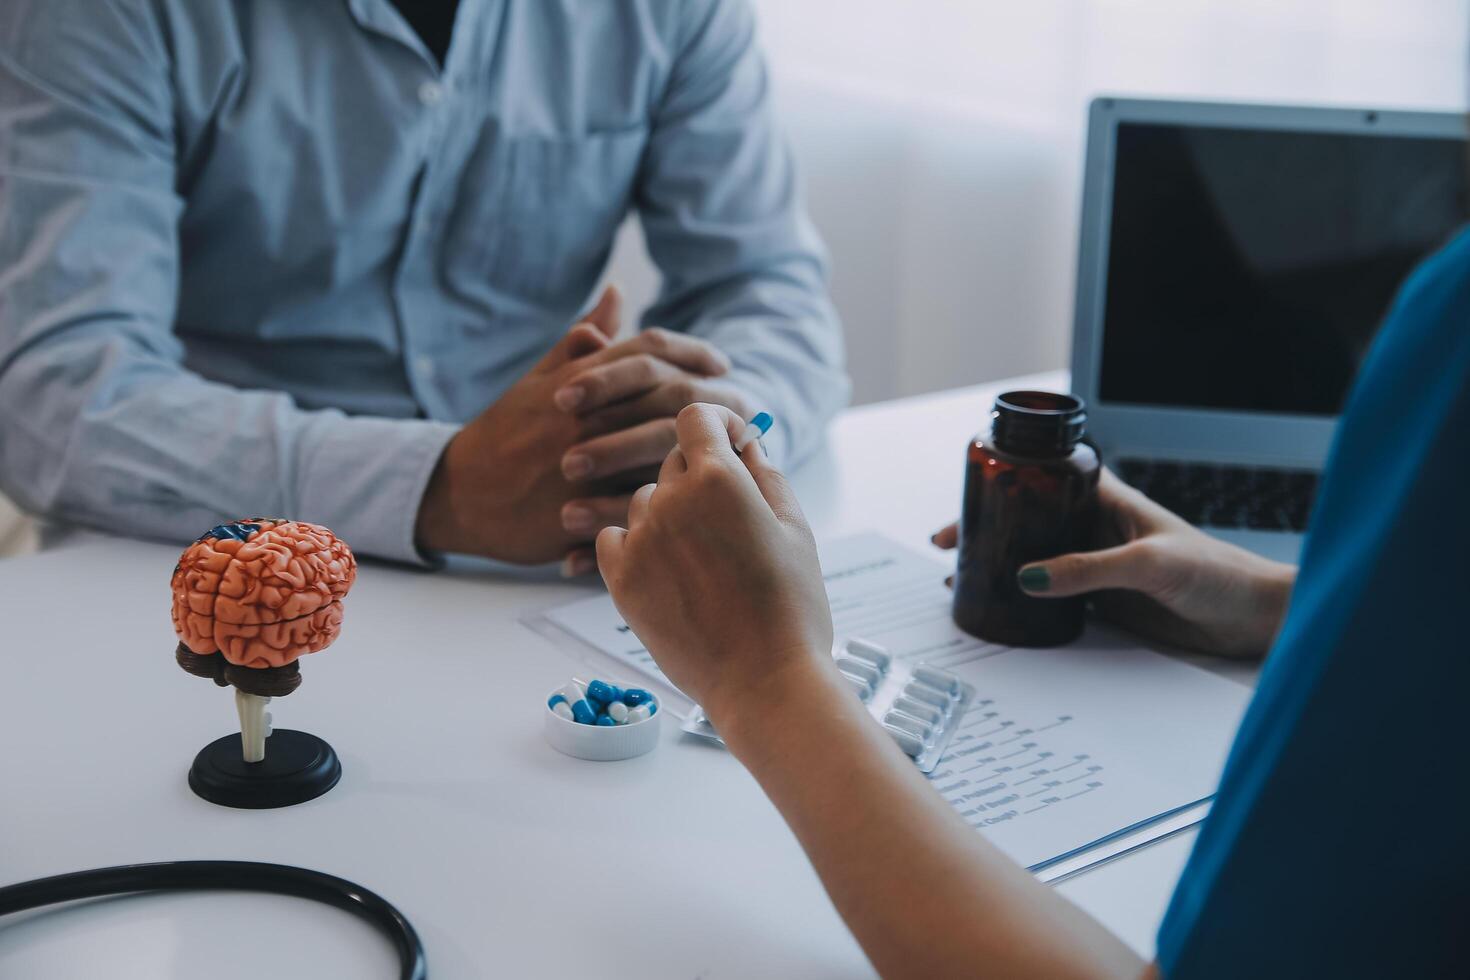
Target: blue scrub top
{"type": "Point", "coordinates": [1339, 844]}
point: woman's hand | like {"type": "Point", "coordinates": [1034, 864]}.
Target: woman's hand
{"type": "Point", "coordinates": [717, 573]}
{"type": "Point", "coordinates": [1161, 577]}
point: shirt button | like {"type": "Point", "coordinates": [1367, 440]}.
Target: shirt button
{"type": "Point", "coordinates": [431, 93]}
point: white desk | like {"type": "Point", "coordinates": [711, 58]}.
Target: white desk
{"type": "Point", "coordinates": [510, 859]}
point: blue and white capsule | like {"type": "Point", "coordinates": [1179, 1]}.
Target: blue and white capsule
{"type": "Point", "coordinates": [604, 693]}
{"type": "Point", "coordinates": [634, 696]}
{"type": "Point", "coordinates": [642, 712]}
{"type": "Point", "coordinates": [754, 429]}
{"type": "Point", "coordinates": [558, 704]}
{"type": "Point", "coordinates": [584, 712]}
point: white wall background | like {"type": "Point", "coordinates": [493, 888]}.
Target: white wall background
{"type": "Point", "coordinates": [941, 144]}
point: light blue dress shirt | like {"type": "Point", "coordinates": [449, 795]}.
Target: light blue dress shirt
{"type": "Point", "coordinates": [264, 256]}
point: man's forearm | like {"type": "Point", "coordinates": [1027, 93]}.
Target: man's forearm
{"type": "Point", "coordinates": [924, 894]}
{"type": "Point", "coordinates": [742, 265]}
{"type": "Point", "coordinates": [169, 457]}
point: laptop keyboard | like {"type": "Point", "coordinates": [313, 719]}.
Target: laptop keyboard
{"type": "Point", "coordinates": [1209, 495]}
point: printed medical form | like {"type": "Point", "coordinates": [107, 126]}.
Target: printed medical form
{"type": "Point", "coordinates": [1063, 750]}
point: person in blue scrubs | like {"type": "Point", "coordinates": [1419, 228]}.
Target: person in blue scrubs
{"type": "Point", "coordinates": [1339, 844]}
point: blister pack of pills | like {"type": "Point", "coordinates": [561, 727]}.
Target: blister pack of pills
{"type": "Point", "coordinates": [918, 704]}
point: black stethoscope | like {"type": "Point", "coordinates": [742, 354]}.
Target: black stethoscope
{"type": "Point", "coordinates": [277, 879]}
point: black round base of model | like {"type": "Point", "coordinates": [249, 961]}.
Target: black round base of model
{"type": "Point", "coordinates": [297, 767]}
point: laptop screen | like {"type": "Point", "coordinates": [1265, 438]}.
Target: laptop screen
{"type": "Point", "coordinates": [1249, 269]}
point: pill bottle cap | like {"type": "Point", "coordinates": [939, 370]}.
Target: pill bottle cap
{"type": "Point", "coordinates": [600, 743]}
{"type": "Point", "coordinates": [1037, 423]}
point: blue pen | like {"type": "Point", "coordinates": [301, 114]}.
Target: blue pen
{"type": "Point", "coordinates": [756, 428]}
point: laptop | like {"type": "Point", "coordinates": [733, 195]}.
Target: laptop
{"type": "Point", "coordinates": [1235, 263]}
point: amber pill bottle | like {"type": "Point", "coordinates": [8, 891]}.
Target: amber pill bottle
{"type": "Point", "coordinates": [1030, 494]}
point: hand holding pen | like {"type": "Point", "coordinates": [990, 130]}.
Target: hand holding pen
{"type": "Point", "coordinates": [723, 523]}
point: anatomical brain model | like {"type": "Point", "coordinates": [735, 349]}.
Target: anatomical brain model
{"type": "Point", "coordinates": [249, 599]}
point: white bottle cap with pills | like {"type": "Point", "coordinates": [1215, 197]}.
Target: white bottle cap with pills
{"type": "Point", "coordinates": [601, 722]}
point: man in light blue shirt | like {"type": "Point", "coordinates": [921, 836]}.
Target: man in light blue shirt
{"type": "Point", "coordinates": [272, 257]}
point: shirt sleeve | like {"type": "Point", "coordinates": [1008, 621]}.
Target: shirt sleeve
{"type": "Point", "coordinates": [742, 265]}
{"type": "Point", "coordinates": [100, 423]}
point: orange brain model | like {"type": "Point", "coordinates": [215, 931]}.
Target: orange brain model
{"type": "Point", "coordinates": [263, 592]}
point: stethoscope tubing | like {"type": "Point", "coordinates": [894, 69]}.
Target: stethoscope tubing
{"type": "Point", "coordinates": [277, 879]}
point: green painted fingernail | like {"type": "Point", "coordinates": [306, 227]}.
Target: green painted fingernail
{"type": "Point", "coordinates": [1034, 578]}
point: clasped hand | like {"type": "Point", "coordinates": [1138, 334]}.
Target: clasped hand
{"type": "Point", "coordinates": [534, 477]}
